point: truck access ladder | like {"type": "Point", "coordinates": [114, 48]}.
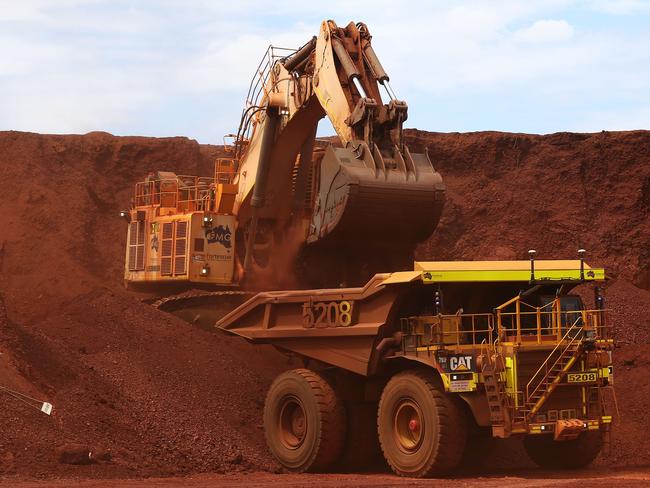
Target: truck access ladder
{"type": "Point", "coordinates": [497, 397]}
{"type": "Point", "coordinates": [553, 370]}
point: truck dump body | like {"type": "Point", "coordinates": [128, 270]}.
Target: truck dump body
{"type": "Point", "coordinates": [505, 336]}
{"type": "Point", "coordinates": [315, 322]}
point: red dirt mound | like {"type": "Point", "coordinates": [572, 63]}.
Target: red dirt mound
{"type": "Point", "coordinates": [137, 386]}
{"type": "Point", "coordinates": [149, 394]}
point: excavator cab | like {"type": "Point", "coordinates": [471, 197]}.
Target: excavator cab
{"type": "Point", "coordinates": [182, 229]}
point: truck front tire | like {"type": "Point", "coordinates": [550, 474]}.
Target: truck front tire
{"type": "Point", "coordinates": [304, 421]}
{"type": "Point", "coordinates": [422, 430]}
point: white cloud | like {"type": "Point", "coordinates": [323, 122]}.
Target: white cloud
{"type": "Point", "coordinates": [546, 31]}
{"type": "Point", "coordinates": [621, 7]}
{"type": "Point", "coordinates": [446, 55]}
{"type": "Point", "coordinates": [19, 11]}
{"type": "Point", "coordinates": [229, 64]}
{"type": "Point", "coordinates": [77, 102]}
{"type": "Point", "coordinates": [37, 10]}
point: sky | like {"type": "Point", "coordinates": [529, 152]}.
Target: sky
{"type": "Point", "coordinates": [174, 67]}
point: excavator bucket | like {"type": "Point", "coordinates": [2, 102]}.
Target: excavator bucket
{"type": "Point", "coordinates": [397, 197]}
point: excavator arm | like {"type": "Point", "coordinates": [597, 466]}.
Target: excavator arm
{"type": "Point", "coordinates": [371, 196]}
{"type": "Point", "coordinates": [346, 79]}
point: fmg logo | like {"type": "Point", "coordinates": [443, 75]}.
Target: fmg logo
{"type": "Point", "coordinates": [219, 234]}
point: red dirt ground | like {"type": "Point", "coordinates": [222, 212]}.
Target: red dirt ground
{"type": "Point", "coordinates": [159, 397]}
{"type": "Point", "coordinates": [602, 478]}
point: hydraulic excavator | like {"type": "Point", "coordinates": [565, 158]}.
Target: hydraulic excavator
{"type": "Point", "coordinates": [343, 211]}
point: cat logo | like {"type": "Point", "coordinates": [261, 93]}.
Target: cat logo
{"type": "Point", "coordinates": [460, 363]}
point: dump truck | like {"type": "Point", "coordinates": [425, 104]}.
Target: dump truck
{"type": "Point", "coordinates": [438, 352]}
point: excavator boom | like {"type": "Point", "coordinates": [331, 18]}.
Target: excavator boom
{"type": "Point", "coordinates": [372, 196]}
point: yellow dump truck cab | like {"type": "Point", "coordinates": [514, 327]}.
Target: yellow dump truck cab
{"type": "Point", "coordinates": [538, 362]}
{"type": "Point", "coordinates": [182, 229]}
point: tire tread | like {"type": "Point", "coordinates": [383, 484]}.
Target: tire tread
{"type": "Point", "coordinates": [331, 413]}
{"type": "Point", "coordinates": [452, 425]}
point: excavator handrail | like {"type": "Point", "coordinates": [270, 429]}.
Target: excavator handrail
{"type": "Point", "coordinates": [186, 193]}
{"type": "Point", "coordinates": [262, 73]}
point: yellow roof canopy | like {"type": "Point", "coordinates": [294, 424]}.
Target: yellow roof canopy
{"type": "Point", "coordinates": [499, 271]}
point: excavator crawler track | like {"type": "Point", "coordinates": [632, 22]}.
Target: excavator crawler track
{"type": "Point", "coordinates": [202, 308]}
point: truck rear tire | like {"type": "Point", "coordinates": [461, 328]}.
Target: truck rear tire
{"type": "Point", "coordinates": [422, 431]}
{"type": "Point", "coordinates": [304, 421]}
{"type": "Point", "coordinates": [573, 454]}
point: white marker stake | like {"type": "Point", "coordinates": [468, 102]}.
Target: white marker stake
{"type": "Point", "coordinates": [46, 408]}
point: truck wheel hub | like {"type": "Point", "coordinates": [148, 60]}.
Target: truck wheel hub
{"type": "Point", "coordinates": [293, 423]}
{"type": "Point", "coordinates": [407, 426]}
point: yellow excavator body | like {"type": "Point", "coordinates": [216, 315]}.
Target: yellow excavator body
{"type": "Point", "coordinates": [347, 209]}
